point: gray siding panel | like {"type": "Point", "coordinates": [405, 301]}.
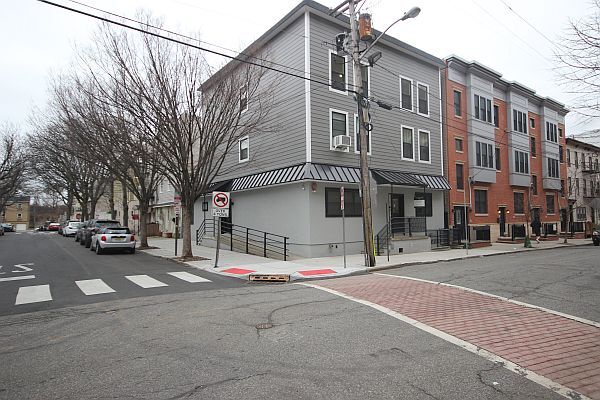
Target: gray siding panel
{"type": "Point", "coordinates": [385, 86]}
{"type": "Point", "coordinates": [284, 143]}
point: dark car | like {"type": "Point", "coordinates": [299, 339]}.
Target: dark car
{"type": "Point", "coordinates": [80, 229]}
{"type": "Point", "coordinates": [93, 226]}
{"type": "Point", "coordinates": [6, 227]}
{"type": "Point", "coordinates": [596, 238]}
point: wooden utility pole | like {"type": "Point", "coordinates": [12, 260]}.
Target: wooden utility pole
{"type": "Point", "coordinates": [364, 161]}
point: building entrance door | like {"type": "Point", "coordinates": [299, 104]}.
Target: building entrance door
{"type": "Point", "coordinates": [396, 212]}
{"type": "Point", "coordinates": [460, 220]}
{"type": "Point", "coordinates": [502, 220]}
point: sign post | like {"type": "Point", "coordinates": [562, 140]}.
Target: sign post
{"type": "Point", "coordinates": [343, 222]}
{"type": "Point", "coordinates": [220, 209]}
{"type": "Point", "coordinates": [177, 208]}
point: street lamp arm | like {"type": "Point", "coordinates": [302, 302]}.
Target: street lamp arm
{"type": "Point", "coordinates": [412, 13]}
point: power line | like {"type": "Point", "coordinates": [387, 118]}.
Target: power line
{"type": "Point", "coordinates": [528, 23]}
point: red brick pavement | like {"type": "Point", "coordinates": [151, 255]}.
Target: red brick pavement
{"type": "Point", "coordinates": [558, 348]}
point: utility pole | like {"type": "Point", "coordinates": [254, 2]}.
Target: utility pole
{"type": "Point", "coordinates": [365, 183]}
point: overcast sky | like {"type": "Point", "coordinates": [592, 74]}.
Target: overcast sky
{"type": "Point", "coordinates": [37, 39]}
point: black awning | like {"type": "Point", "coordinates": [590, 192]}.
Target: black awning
{"type": "Point", "coordinates": [222, 186]}
{"type": "Point", "coordinates": [396, 178]}
{"type": "Point", "coordinates": [434, 181]}
{"type": "Point", "coordinates": [332, 173]}
{"type": "Point", "coordinates": [268, 178]}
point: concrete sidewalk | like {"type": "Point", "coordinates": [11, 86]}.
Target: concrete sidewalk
{"type": "Point", "coordinates": [242, 265]}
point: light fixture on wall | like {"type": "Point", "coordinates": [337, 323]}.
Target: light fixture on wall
{"type": "Point", "coordinates": [303, 186]}
{"type": "Point", "coordinates": [313, 187]}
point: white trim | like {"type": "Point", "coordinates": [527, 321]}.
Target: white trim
{"type": "Point", "coordinates": [453, 105]}
{"type": "Point", "coordinates": [331, 111]}
{"type": "Point", "coordinates": [428, 105]}
{"type": "Point", "coordinates": [419, 145]}
{"type": "Point", "coordinates": [240, 160]}
{"type": "Point", "coordinates": [402, 142]}
{"type": "Point", "coordinates": [307, 99]}
{"type": "Point", "coordinates": [331, 89]}
{"type": "Point", "coordinates": [412, 93]}
{"type": "Point", "coordinates": [356, 138]}
{"type": "Point", "coordinates": [509, 365]}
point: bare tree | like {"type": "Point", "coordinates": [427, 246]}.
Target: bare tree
{"type": "Point", "coordinates": [13, 164]}
{"type": "Point", "coordinates": [579, 61]}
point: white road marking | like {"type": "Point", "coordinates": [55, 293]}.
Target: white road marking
{"type": "Point", "coordinates": [17, 278]}
{"type": "Point", "coordinates": [186, 276]}
{"type": "Point", "coordinates": [23, 267]}
{"type": "Point", "coordinates": [509, 365]}
{"type": "Point", "coordinates": [94, 286]}
{"type": "Point", "coordinates": [33, 294]}
{"type": "Point", "coordinates": [145, 281]}
{"type": "Point", "coordinates": [568, 316]}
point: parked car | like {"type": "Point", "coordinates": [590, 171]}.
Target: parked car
{"type": "Point", "coordinates": [6, 227]}
{"type": "Point", "coordinates": [93, 226]}
{"type": "Point", "coordinates": [596, 238]}
{"type": "Point", "coordinates": [54, 226]}
{"type": "Point", "coordinates": [1, 232]}
{"type": "Point", "coordinates": [70, 229]}
{"type": "Point", "coordinates": [80, 230]}
{"type": "Point", "coordinates": [119, 238]}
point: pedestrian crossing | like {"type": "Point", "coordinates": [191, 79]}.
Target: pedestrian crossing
{"type": "Point", "coordinates": [91, 287]}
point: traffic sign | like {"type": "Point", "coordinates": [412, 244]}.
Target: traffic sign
{"type": "Point", "coordinates": [177, 208]}
{"type": "Point", "coordinates": [220, 200]}
{"type": "Point", "coordinates": [220, 212]}
{"type": "Point", "coordinates": [342, 198]}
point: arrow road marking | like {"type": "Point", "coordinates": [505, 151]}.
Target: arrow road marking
{"type": "Point", "coordinates": [23, 267]}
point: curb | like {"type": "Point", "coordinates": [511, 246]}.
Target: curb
{"type": "Point", "coordinates": [522, 250]}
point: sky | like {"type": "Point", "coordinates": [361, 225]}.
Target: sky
{"type": "Point", "coordinates": [38, 40]}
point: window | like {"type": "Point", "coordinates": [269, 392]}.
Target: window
{"type": "Point", "coordinates": [570, 186]}
{"type": "Point", "coordinates": [576, 186]}
{"type": "Point", "coordinates": [576, 160]}
{"type": "Point", "coordinates": [549, 204]}
{"type": "Point", "coordinates": [483, 108]}
{"type": "Point", "coordinates": [460, 180]}
{"type": "Point", "coordinates": [551, 132]}
{"type": "Point", "coordinates": [584, 188]}
{"type": "Point", "coordinates": [569, 157]}
{"type": "Point", "coordinates": [562, 187]}
{"type": "Point", "coordinates": [589, 161]}
{"type": "Point", "coordinates": [424, 149]}
{"type": "Point", "coordinates": [19, 216]}
{"type": "Point", "coordinates": [521, 162]}
{"type": "Point", "coordinates": [244, 98]}
{"type": "Point", "coordinates": [560, 132]}
{"type": "Point", "coordinates": [426, 211]}
{"type": "Point", "coordinates": [337, 72]}
{"type": "Point", "coordinates": [484, 155]}
{"type": "Point", "coordinates": [581, 214]}
{"type": "Point", "coordinates": [534, 185]}
{"type": "Point", "coordinates": [532, 146]}
{"type": "Point", "coordinates": [596, 165]}
{"type": "Point", "coordinates": [497, 157]}
{"type": "Point", "coordinates": [338, 124]}
{"type": "Point", "coordinates": [519, 121]}
{"type": "Point", "coordinates": [481, 202]}
{"type": "Point", "coordinates": [457, 104]}
{"type": "Point", "coordinates": [407, 143]}
{"type": "Point", "coordinates": [458, 144]}
{"type": "Point", "coordinates": [406, 94]}
{"type": "Point", "coordinates": [20, 205]}
{"type": "Point", "coordinates": [352, 206]}
{"type": "Point", "coordinates": [553, 168]}
{"type": "Point", "coordinates": [357, 137]}
{"type": "Point", "coordinates": [519, 200]}
{"type": "Point", "coordinates": [423, 98]}
{"type": "Point", "coordinates": [561, 157]}
{"type": "Point", "coordinates": [243, 149]}
{"type": "Point", "coordinates": [496, 116]}
{"type": "Point", "coordinates": [531, 123]}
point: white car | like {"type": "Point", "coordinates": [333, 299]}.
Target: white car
{"type": "Point", "coordinates": [118, 238]}
{"type": "Point", "coordinates": [71, 228]}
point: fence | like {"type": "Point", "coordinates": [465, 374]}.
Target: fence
{"type": "Point", "coordinates": [408, 225]}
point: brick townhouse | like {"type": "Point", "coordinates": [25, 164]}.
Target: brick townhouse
{"type": "Point", "coordinates": [505, 151]}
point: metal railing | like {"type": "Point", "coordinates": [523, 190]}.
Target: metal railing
{"type": "Point", "coordinates": [382, 240]}
{"type": "Point", "coordinates": [517, 231]}
{"type": "Point", "coordinates": [481, 233]}
{"type": "Point", "coordinates": [244, 239]}
{"type": "Point", "coordinates": [408, 225]}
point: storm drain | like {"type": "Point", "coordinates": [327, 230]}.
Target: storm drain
{"type": "Point", "coordinates": [269, 277]}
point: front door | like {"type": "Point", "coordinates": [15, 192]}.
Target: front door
{"type": "Point", "coordinates": [460, 220]}
{"type": "Point", "coordinates": [502, 220]}
{"type": "Point", "coordinates": [397, 212]}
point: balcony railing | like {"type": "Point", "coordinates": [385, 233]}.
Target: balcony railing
{"type": "Point", "coordinates": [408, 226]}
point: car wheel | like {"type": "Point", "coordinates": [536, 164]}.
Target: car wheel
{"type": "Point", "coordinates": [596, 243]}
{"type": "Point", "coordinates": [132, 250]}
{"type": "Point", "coordinates": [98, 249]}
{"type": "Point", "coordinates": [82, 242]}
{"type": "Point", "coordinates": [76, 238]}
{"type": "Point", "coordinates": [92, 248]}
{"type": "Point", "coordinates": [88, 243]}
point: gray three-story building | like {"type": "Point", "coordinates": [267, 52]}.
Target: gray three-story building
{"type": "Point", "coordinates": [287, 181]}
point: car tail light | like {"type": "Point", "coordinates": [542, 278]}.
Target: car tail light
{"type": "Point", "coordinates": [133, 238]}
{"type": "Point", "coordinates": [103, 238]}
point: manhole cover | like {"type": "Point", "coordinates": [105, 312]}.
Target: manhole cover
{"type": "Point", "coordinates": [265, 325]}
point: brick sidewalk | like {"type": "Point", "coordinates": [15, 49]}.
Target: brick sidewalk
{"type": "Point", "coordinates": [555, 347]}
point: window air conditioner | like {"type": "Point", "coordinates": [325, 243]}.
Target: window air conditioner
{"type": "Point", "coordinates": [341, 142]}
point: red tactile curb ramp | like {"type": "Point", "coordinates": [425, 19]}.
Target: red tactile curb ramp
{"type": "Point", "coordinates": [238, 271]}
{"type": "Point", "coordinates": [558, 348]}
{"type": "Point", "coordinates": [317, 272]}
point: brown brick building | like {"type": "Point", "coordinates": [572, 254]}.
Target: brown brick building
{"type": "Point", "coordinates": [505, 152]}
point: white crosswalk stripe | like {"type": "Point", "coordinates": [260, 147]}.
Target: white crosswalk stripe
{"type": "Point", "coordinates": [94, 286]}
{"type": "Point", "coordinates": [145, 281]}
{"type": "Point", "coordinates": [186, 276]}
{"type": "Point", "coordinates": [33, 294]}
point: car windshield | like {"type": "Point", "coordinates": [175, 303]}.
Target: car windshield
{"type": "Point", "coordinates": [75, 224]}
{"type": "Point", "coordinates": [107, 224]}
{"type": "Point", "coordinates": [116, 230]}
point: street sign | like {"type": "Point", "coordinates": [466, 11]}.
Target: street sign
{"type": "Point", "coordinates": [177, 208]}
{"type": "Point", "coordinates": [220, 212]}
{"type": "Point", "coordinates": [221, 200]}
{"type": "Point", "coordinates": [342, 198]}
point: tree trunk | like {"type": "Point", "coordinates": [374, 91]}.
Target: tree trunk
{"type": "Point", "coordinates": [143, 215]}
{"type": "Point", "coordinates": [111, 199]}
{"type": "Point", "coordinates": [125, 204]}
{"type": "Point", "coordinates": [568, 223]}
{"type": "Point", "coordinates": [69, 205]}
{"type": "Point", "coordinates": [93, 204]}
{"type": "Point", "coordinates": [186, 227]}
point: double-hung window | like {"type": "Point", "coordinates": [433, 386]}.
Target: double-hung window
{"type": "Point", "coordinates": [521, 162]}
{"type": "Point", "coordinates": [483, 108]}
{"type": "Point", "coordinates": [550, 204]}
{"type": "Point", "coordinates": [497, 157]}
{"type": "Point", "coordinates": [519, 121]}
{"type": "Point", "coordinates": [519, 202]}
{"type": "Point", "coordinates": [496, 116]}
{"type": "Point", "coordinates": [553, 171]}
{"type": "Point", "coordinates": [460, 180]}
{"type": "Point", "coordinates": [406, 94]}
{"type": "Point", "coordinates": [551, 132]}
{"type": "Point", "coordinates": [407, 143]}
{"type": "Point", "coordinates": [426, 211]}
{"type": "Point", "coordinates": [244, 98]}
{"type": "Point", "coordinates": [532, 148]}
{"type": "Point", "coordinates": [424, 148]}
{"type": "Point", "coordinates": [481, 202]}
{"type": "Point", "coordinates": [423, 98]}
{"type": "Point", "coordinates": [338, 124]}
{"type": "Point", "coordinates": [337, 72]}
{"type": "Point", "coordinates": [484, 155]}
{"type": "Point", "coordinates": [534, 185]}
{"type": "Point", "coordinates": [244, 151]}
{"type": "Point", "coordinates": [457, 104]}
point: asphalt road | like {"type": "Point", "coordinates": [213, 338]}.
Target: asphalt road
{"type": "Point", "coordinates": [254, 342]}
{"type": "Point", "coordinates": [61, 263]}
